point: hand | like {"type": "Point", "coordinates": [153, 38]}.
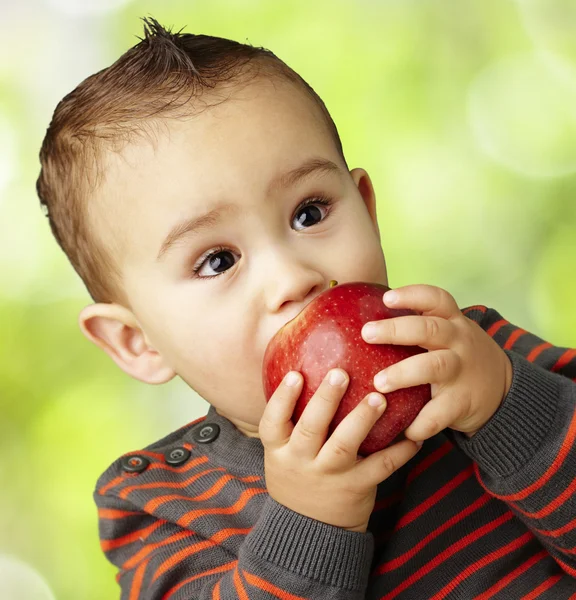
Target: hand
{"type": "Point", "coordinates": [326, 480]}
{"type": "Point", "coordinates": [469, 373]}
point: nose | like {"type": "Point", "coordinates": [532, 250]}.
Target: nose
{"type": "Point", "coordinates": [291, 279]}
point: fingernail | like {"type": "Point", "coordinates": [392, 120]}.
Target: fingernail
{"type": "Point", "coordinates": [390, 297]}
{"type": "Point", "coordinates": [336, 378]}
{"type": "Point", "coordinates": [369, 331]}
{"type": "Point", "coordinates": [380, 381]}
{"type": "Point", "coordinates": [375, 400]}
{"type": "Point", "coordinates": [292, 379]}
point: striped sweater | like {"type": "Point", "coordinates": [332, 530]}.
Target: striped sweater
{"type": "Point", "coordinates": [492, 516]}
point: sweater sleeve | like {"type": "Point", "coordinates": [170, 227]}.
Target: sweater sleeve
{"type": "Point", "coordinates": [284, 555]}
{"type": "Point", "coordinates": [525, 454]}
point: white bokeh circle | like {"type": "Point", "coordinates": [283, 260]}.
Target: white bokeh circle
{"type": "Point", "coordinates": [19, 581]}
{"type": "Point", "coordinates": [523, 115]}
{"type": "Point", "coordinates": [551, 25]}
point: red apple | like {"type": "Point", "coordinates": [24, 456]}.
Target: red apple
{"type": "Point", "coordinates": [327, 334]}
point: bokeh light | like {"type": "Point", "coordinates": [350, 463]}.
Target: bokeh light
{"type": "Point", "coordinates": [525, 117]}
{"type": "Point", "coordinates": [551, 25]}
{"type": "Point", "coordinates": [19, 581]}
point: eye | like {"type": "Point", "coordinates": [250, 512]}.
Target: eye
{"type": "Point", "coordinates": [214, 259]}
{"type": "Point", "coordinates": [219, 258]}
{"type": "Point", "coordinates": [310, 205]}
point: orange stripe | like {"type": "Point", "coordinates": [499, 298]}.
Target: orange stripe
{"type": "Point", "coordinates": [238, 586]}
{"type": "Point", "coordinates": [397, 562]}
{"type": "Point", "coordinates": [535, 352]}
{"type": "Point", "coordinates": [170, 484]}
{"type": "Point", "coordinates": [565, 448]}
{"type": "Point", "coordinates": [248, 478]}
{"type": "Point", "coordinates": [246, 495]}
{"type": "Point", "coordinates": [502, 583]}
{"type": "Point", "coordinates": [183, 553]}
{"type": "Point", "coordinates": [166, 484]}
{"type": "Point", "coordinates": [570, 570]}
{"type": "Point", "coordinates": [479, 564]}
{"type": "Point", "coordinates": [443, 556]}
{"type": "Point", "coordinates": [136, 585]}
{"type": "Point", "coordinates": [552, 506]}
{"type": "Point", "coordinates": [112, 513]}
{"type": "Point", "coordinates": [155, 455]}
{"type": "Point", "coordinates": [153, 504]}
{"type": "Point", "coordinates": [564, 359]}
{"type": "Point", "coordinates": [190, 465]}
{"type": "Point", "coordinates": [560, 549]}
{"type": "Point", "coordinates": [187, 467]}
{"type": "Point", "coordinates": [112, 483]}
{"type": "Point", "coordinates": [220, 569]}
{"type": "Point", "coordinates": [216, 592]}
{"type": "Point", "coordinates": [133, 536]}
{"type": "Point", "coordinates": [430, 460]}
{"type": "Point", "coordinates": [495, 327]}
{"type": "Point", "coordinates": [419, 510]}
{"type": "Point", "coordinates": [220, 484]}
{"type": "Point", "coordinates": [269, 587]}
{"type": "Point", "coordinates": [120, 478]}
{"type": "Point", "coordinates": [479, 307]}
{"type": "Point", "coordinates": [546, 585]}
{"type": "Point", "coordinates": [142, 554]}
{"type": "Point", "coordinates": [558, 532]}
{"type": "Point", "coordinates": [512, 339]}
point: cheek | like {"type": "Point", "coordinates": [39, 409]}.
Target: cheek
{"type": "Point", "coordinates": [193, 342]}
{"type": "Point", "coordinates": [192, 336]}
{"type": "Point", "coordinates": [359, 255]}
{"type": "Point", "coordinates": [167, 328]}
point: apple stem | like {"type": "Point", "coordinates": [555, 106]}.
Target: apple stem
{"type": "Point", "coordinates": [333, 283]}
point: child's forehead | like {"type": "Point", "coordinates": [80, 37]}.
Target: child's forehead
{"type": "Point", "coordinates": [260, 122]}
{"type": "Point", "coordinates": [233, 147]}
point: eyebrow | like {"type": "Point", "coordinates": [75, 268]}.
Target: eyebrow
{"type": "Point", "coordinates": [195, 225]}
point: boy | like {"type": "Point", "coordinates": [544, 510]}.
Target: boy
{"type": "Point", "coordinates": [191, 148]}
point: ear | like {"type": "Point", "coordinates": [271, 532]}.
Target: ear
{"type": "Point", "coordinates": [364, 184]}
{"type": "Point", "coordinates": [116, 330]}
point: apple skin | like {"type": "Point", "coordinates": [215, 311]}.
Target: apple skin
{"type": "Point", "coordinates": [326, 334]}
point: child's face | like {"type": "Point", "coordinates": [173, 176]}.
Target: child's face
{"type": "Point", "coordinates": [274, 257]}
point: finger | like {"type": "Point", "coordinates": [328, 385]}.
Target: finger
{"type": "Point", "coordinates": [377, 467]}
{"type": "Point", "coordinates": [311, 430]}
{"type": "Point", "coordinates": [435, 416]}
{"type": "Point", "coordinates": [411, 330]}
{"type": "Point", "coordinates": [275, 425]}
{"type": "Point", "coordinates": [439, 366]}
{"type": "Point", "coordinates": [342, 447]}
{"type": "Point", "coordinates": [429, 300]}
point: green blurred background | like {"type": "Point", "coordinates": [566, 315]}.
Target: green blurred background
{"type": "Point", "coordinates": [464, 113]}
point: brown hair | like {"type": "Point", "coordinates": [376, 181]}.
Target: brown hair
{"type": "Point", "coordinates": [120, 102]}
